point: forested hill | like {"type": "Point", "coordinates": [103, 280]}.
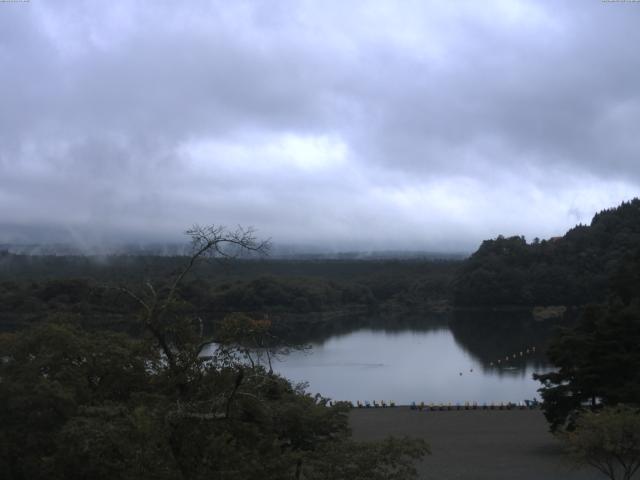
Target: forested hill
{"type": "Point", "coordinates": [575, 269]}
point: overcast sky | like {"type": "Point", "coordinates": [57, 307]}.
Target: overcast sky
{"type": "Point", "coordinates": [426, 125]}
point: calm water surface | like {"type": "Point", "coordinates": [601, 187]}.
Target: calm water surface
{"type": "Point", "coordinates": [433, 365]}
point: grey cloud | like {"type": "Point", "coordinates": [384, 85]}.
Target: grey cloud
{"type": "Point", "coordinates": [539, 104]}
{"type": "Point", "coordinates": [456, 123]}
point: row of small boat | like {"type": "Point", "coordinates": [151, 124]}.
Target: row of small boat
{"type": "Point", "coordinates": [512, 357]}
{"type": "Point", "coordinates": [422, 406]}
{"type": "Point", "coordinates": [527, 404]}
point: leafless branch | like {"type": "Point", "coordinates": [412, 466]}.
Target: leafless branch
{"type": "Point", "coordinates": [136, 298]}
{"type": "Point", "coordinates": [212, 240]}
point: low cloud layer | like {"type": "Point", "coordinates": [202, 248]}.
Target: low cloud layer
{"type": "Point", "coordinates": [373, 125]}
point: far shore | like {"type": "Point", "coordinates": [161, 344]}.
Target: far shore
{"type": "Point", "coordinates": [475, 444]}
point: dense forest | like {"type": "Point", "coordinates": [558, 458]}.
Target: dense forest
{"type": "Point", "coordinates": [33, 288]}
{"type": "Point", "coordinates": [576, 269]}
{"type": "Point", "coordinates": [579, 268]}
{"type": "Point", "coordinates": [598, 359]}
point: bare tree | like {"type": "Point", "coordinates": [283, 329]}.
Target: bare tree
{"type": "Point", "coordinates": [213, 241]}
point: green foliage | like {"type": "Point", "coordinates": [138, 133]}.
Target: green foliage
{"type": "Point", "coordinates": [76, 404]}
{"type": "Point", "coordinates": [113, 441]}
{"type": "Point", "coordinates": [608, 440]}
{"type": "Point", "coordinates": [51, 371]}
{"type": "Point", "coordinates": [598, 361]}
{"type": "Point", "coordinates": [287, 290]}
{"type": "Point", "coordinates": [571, 270]}
{"type": "Point", "coordinates": [394, 460]}
{"type": "Point", "coordinates": [300, 295]}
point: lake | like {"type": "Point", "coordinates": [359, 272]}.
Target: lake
{"type": "Point", "coordinates": [453, 361]}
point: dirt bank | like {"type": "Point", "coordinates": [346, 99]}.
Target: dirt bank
{"type": "Point", "coordinates": [475, 445]}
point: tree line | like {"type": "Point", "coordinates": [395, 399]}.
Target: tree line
{"type": "Point", "coordinates": [575, 269]}
{"type": "Point", "coordinates": [283, 289]}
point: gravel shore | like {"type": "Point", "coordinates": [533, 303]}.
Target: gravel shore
{"type": "Point", "coordinates": [475, 444]}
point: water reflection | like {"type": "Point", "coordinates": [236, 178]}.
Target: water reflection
{"type": "Point", "coordinates": [318, 330]}
{"type": "Point", "coordinates": [504, 342]}
{"type": "Point", "coordinates": [425, 359]}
